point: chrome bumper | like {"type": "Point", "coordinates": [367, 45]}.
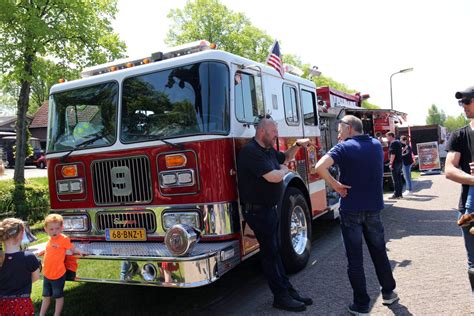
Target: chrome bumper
{"type": "Point", "coordinates": [122, 262]}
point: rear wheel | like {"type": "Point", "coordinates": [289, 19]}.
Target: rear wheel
{"type": "Point", "coordinates": [295, 231]}
{"type": "Point", "coordinates": [42, 165]}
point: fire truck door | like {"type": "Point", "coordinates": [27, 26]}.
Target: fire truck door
{"type": "Point", "coordinates": [309, 111]}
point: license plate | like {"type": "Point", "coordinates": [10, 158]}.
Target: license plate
{"type": "Point", "coordinates": [138, 234]}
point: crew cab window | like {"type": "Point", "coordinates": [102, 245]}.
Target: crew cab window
{"type": "Point", "coordinates": [248, 97]}
{"type": "Point", "coordinates": [308, 104]}
{"type": "Point", "coordinates": [291, 105]}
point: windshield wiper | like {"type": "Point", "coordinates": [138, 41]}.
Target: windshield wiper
{"type": "Point", "coordinates": [95, 137]}
{"type": "Point", "coordinates": [179, 146]}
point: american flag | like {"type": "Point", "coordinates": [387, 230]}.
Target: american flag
{"type": "Point", "coordinates": [274, 59]}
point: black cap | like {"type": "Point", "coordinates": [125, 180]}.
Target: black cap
{"type": "Point", "coordinates": [468, 93]}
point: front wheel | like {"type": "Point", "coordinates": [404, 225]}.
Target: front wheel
{"type": "Point", "coordinates": [295, 230]}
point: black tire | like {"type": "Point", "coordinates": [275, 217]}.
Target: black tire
{"type": "Point", "coordinates": [294, 203]}
{"type": "Point", "coordinates": [42, 165]}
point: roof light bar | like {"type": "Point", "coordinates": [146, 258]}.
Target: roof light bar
{"type": "Point", "coordinates": [173, 52]}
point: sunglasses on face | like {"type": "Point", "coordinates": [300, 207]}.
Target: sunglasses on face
{"type": "Point", "coordinates": [465, 101]}
{"type": "Point", "coordinates": [344, 122]}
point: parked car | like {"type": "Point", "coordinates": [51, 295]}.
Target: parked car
{"type": "Point", "coordinates": [8, 142]}
{"type": "Point", "coordinates": [41, 161]}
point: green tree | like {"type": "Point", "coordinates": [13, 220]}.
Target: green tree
{"type": "Point", "coordinates": [435, 116]}
{"type": "Point", "coordinates": [75, 32]}
{"type": "Point", "coordinates": [47, 74]}
{"type": "Point", "coordinates": [213, 21]}
{"type": "Point", "coordinates": [454, 122]}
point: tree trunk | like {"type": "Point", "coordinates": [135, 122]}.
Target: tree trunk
{"type": "Point", "coordinates": [21, 126]}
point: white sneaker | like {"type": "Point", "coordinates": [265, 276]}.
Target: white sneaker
{"type": "Point", "coordinates": [407, 193]}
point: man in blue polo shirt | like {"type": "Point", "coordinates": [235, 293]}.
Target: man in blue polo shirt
{"type": "Point", "coordinates": [360, 161]}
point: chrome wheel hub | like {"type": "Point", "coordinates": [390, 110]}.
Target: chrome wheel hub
{"type": "Point", "coordinates": [298, 230]}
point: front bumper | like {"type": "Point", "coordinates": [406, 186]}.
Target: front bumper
{"type": "Point", "coordinates": [122, 262]}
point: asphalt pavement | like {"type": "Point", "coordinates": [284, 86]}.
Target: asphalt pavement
{"type": "Point", "coordinates": [425, 248]}
{"type": "Point", "coordinates": [30, 172]}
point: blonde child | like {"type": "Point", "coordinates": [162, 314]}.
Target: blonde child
{"type": "Point", "coordinates": [18, 270]}
{"type": "Point", "coordinates": [54, 269]}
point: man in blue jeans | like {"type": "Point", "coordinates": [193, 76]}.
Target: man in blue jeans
{"type": "Point", "coordinates": [459, 168]}
{"type": "Point", "coordinates": [360, 161]}
{"type": "Point", "coordinates": [395, 165]}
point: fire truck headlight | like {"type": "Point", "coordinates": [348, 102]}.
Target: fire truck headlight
{"type": "Point", "coordinates": [75, 186]}
{"type": "Point", "coordinates": [177, 178]}
{"type": "Point", "coordinates": [180, 239]}
{"type": "Point", "coordinates": [168, 179]}
{"type": "Point", "coordinates": [69, 186]}
{"type": "Point", "coordinates": [185, 177]}
{"type": "Point", "coordinates": [75, 223]}
{"type": "Point", "coordinates": [63, 186]}
{"type": "Point", "coordinates": [187, 218]}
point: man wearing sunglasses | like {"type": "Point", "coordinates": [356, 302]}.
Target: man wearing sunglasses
{"type": "Point", "coordinates": [459, 166]}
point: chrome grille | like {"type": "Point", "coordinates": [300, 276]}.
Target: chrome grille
{"type": "Point", "coordinates": [122, 181]}
{"type": "Point", "coordinates": [145, 220]}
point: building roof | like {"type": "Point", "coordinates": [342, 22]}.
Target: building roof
{"type": "Point", "coordinates": [7, 119]}
{"type": "Point", "coordinates": [40, 118]}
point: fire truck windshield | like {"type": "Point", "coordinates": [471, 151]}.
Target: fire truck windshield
{"type": "Point", "coordinates": [182, 101]}
{"type": "Point", "coordinates": [80, 115]}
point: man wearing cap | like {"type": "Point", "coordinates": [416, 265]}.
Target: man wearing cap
{"type": "Point", "coordinates": [458, 168]}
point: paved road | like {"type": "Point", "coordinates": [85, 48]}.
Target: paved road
{"type": "Point", "coordinates": [425, 248]}
{"type": "Point", "coordinates": [30, 172]}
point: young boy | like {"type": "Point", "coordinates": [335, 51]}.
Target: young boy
{"type": "Point", "coordinates": [54, 268]}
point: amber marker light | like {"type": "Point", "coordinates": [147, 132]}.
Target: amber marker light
{"type": "Point", "coordinates": [62, 80]}
{"type": "Point", "coordinates": [175, 161]}
{"type": "Point", "coordinates": [146, 61]}
{"type": "Point", "coordinates": [213, 45]}
{"type": "Point", "coordinates": [129, 65]}
{"type": "Point", "coordinates": [69, 171]}
{"type": "Point", "coordinates": [113, 68]}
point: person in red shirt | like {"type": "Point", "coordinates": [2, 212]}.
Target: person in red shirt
{"type": "Point", "coordinates": [54, 267]}
{"type": "Point", "coordinates": [18, 270]}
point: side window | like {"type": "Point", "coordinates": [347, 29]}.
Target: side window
{"type": "Point", "coordinates": [248, 97]}
{"type": "Point", "coordinates": [308, 104]}
{"type": "Point", "coordinates": [290, 104]}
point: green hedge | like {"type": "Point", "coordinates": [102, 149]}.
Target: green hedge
{"type": "Point", "coordinates": [36, 205]}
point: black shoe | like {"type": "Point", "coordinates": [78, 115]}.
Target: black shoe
{"type": "Point", "coordinates": [296, 296]}
{"type": "Point", "coordinates": [396, 197]}
{"type": "Point", "coordinates": [353, 309]}
{"type": "Point", "coordinates": [287, 303]}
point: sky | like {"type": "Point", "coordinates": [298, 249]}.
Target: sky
{"type": "Point", "coordinates": [358, 43]}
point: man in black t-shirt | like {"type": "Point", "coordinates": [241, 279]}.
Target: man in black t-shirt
{"type": "Point", "coordinates": [260, 170]}
{"type": "Point", "coordinates": [395, 155]}
{"type": "Point", "coordinates": [458, 168]}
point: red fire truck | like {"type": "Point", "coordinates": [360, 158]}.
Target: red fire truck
{"type": "Point", "coordinates": [142, 164]}
{"type": "Point", "coordinates": [333, 104]}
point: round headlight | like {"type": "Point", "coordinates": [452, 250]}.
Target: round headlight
{"type": "Point", "coordinates": [180, 239]}
{"type": "Point", "coordinates": [148, 272]}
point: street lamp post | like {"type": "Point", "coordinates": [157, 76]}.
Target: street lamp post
{"type": "Point", "coordinates": [398, 72]}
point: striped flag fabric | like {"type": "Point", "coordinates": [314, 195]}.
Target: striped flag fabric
{"type": "Point", "coordinates": [274, 59]}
